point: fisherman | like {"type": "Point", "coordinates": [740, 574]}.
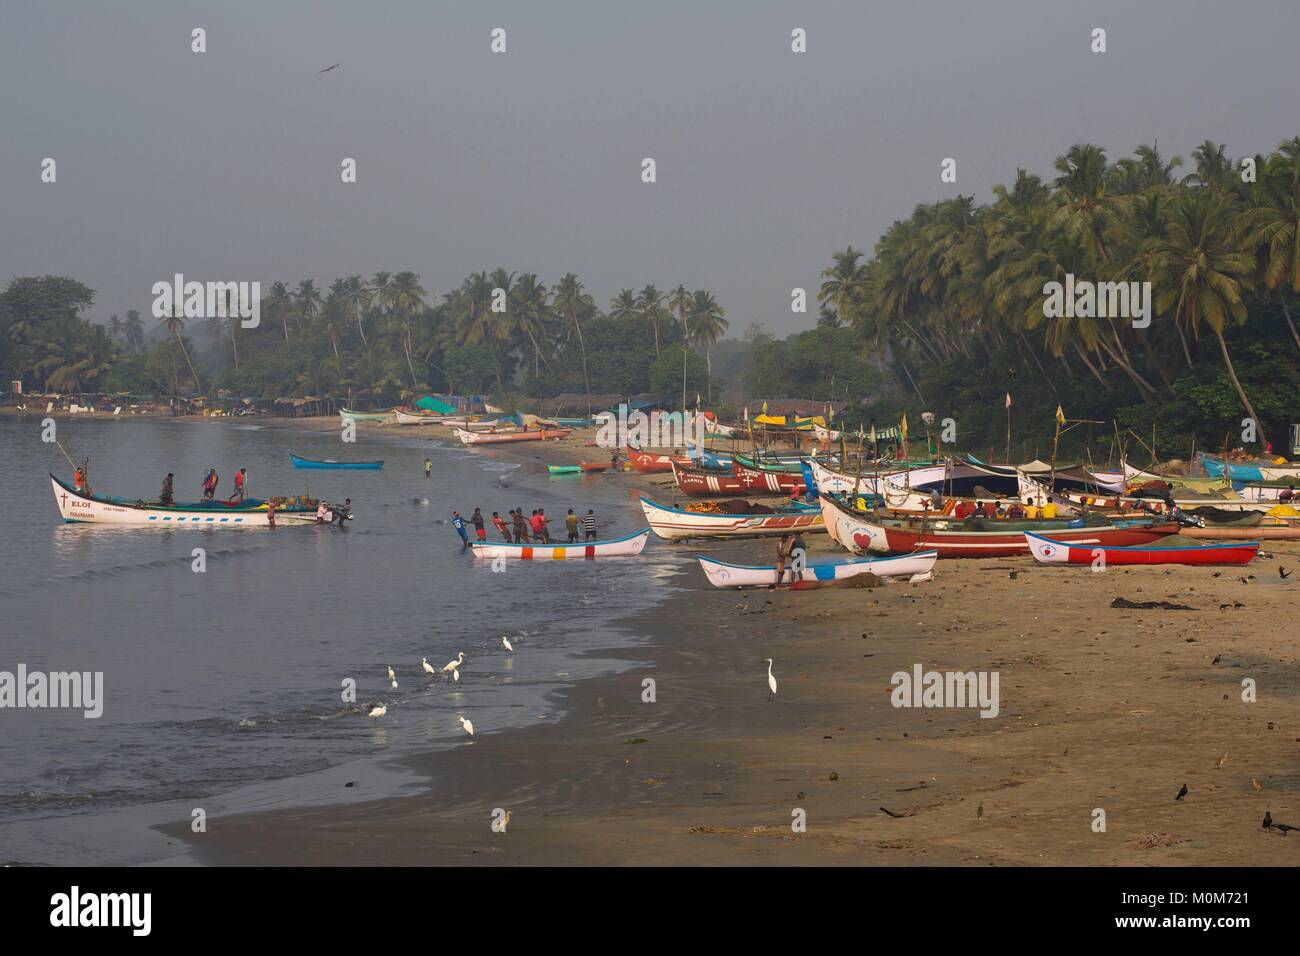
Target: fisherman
{"type": "Point", "coordinates": [323, 515]}
{"type": "Point", "coordinates": [1015, 512]}
{"type": "Point", "coordinates": [990, 509]}
{"type": "Point", "coordinates": [428, 467]}
{"type": "Point", "coordinates": [210, 484]}
{"type": "Point", "coordinates": [345, 512]}
{"type": "Point", "coordinates": [167, 495]}
{"type": "Point", "coordinates": [782, 552]}
{"type": "Point", "coordinates": [798, 555]}
{"type": "Point", "coordinates": [458, 523]}
{"type": "Point", "coordinates": [571, 525]}
{"type": "Point", "coordinates": [538, 524]}
{"type": "Point", "coordinates": [1049, 510]}
{"type": "Point", "coordinates": [589, 524]}
{"type": "Point", "coordinates": [270, 513]}
{"type": "Point", "coordinates": [521, 528]}
{"type": "Point", "coordinates": [499, 523]}
{"type": "Point", "coordinates": [1032, 510]}
{"type": "Point", "coordinates": [477, 520]}
{"type": "Point", "coordinates": [1288, 493]}
{"type": "Point", "coordinates": [78, 478]}
{"type": "Point", "coordinates": [241, 482]}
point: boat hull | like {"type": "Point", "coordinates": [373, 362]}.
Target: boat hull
{"type": "Point", "coordinates": [676, 524]}
{"type": "Point", "coordinates": [1053, 551]}
{"type": "Point", "coordinates": [336, 465]}
{"type": "Point", "coordinates": [625, 546]}
{"type": "Point", "coordinates": [1221, 533]}
{"type": "Point", "coordinates": [490, 438]}
{"type": "Point", "coordinates": [722, 574]}
{"type": "Point", "coordinates": [77, 508]}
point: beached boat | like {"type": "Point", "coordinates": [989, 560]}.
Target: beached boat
{"type": "Point", "coordinates": [897, 497]}
{"type": "Point", "coordinates": [723, 574]}
{"type": "Point", "coordinates": [866, 533]}
{"type": "Point", "coordinates": [615, 547]}
{"type": "Point", "coordinates": [1054, 551]}
{"type": "Point", "coordinates": [583, 467]}
{"type": "Point", "coordinates": [1251, 471]}
{"type": "Point", "coordinates": [1267, 533]}
{"type": "Point", "coordinates": [704, 483]}
{"type": "Point", "coordinates": [488, 438]}
{"type": "Point", "coordinates": [712, 427]}
{"type": "Point", "coordinates": [406, 418]}
{"type": "Point", "coordinates": [774, 482]}
{"type": "Point", "coordinates": [681, 523]}
{"type": "Point", "coordinates": [348, 415]}
{"type": "Point", "coordinates": [76, 506]}
{"type": "Point", "coordinates": [299, 462]}
{"type": "Point", "coordinates": [648, 463]}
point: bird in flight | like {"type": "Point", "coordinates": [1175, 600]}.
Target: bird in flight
{"type": "Point", "coordinates": [328, 68]}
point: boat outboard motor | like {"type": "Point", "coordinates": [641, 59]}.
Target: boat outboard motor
{"type": "Point", "coordinates": [340, 513]}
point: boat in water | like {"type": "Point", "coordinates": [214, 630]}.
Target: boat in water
{"type": "Point", "coordinates": [85, 507]}
{"type": "Point", "coordinates": [615, 547]}
{"type": "Point", "coordinates": [723, 574]}
{"type": "Point", "coordinates": [1053, 551]}
{"type": "Point", "coordinates": [581, 468]}
{"type": "Point", "coordinates": [299, 462]}
{"type": "Point", "coordinates": [491, 438]}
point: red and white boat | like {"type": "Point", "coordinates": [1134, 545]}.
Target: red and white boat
{"type": "Point", "coordinates": [493, 438]}
{"type": "Point", "coordinates": [704, 483]}
{"type": "Point", "coordinates": [1054, 551]}
{"type": "Point", "coordinates": [678, 523]}
{"type": "Point", "coordinates": [649, 464]}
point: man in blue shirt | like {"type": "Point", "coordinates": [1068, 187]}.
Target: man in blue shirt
{"type": "Point", "coordinates": [458, 523]}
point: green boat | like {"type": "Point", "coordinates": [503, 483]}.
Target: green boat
{"type": "Point", "coordinates": [564, 469]}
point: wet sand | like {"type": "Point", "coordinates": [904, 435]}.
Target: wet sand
{"type": "Point", "coordinates": [1099, 708]}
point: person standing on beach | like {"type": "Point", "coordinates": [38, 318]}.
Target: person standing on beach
{"type": "Point", "coordinates": [458, 523]}
{"type": "Point", "coordinates": [589, 524]}
{"type": "Point", "coordinates": [571, 525]}
{"type": "Point", "coordinates": [210, 484]}
{"type": "Point", "coordinates": [428, 467]}
{"type": "Point", "coordinates": [476, 519]}
{"type": "Point", "coordinates": [499, 523]}
{"type": "Point", "coordinates": [798, 555]}
{"type": "Point", "coordinates": [782, 551]}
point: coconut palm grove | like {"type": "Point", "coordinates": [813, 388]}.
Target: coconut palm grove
{"type": "Point", "coordinates": [944, 315]}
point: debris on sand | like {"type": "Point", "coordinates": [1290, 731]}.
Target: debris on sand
{"type": "Point", "coordinates": [1153, 840]}
{"type": "Point", "coordinates": [1126, 604]}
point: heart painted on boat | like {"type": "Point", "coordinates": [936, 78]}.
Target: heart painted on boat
{"type": "Point", "coordinates": [862, 540]}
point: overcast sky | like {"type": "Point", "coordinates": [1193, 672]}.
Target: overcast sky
{"type": "Point", "coordinates": [225, 165]}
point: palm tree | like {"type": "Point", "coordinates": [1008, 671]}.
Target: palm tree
{"type": "Point", "coordinates": [470, 308]}
{"type": "Point", "coordinates": [1083, 209]}
{"type": "Point", "coordinates": [624, 306]}
{"type": "Point", "coordinates": [279, 303]}
{"type": "Point", "coordinates": [406, 295]}
{"type": "Point", "coordinates": [309, 303]}
{"type": "Point", "coordinates": [333, 317]}
{"type": "Point", "coordinates": [357, 295]}
{"type": "Point", "coordinates": [174, 323]}
{"type": "Point", "coordinates": [572, 303]}
{"type": "Point", "coordinates": [1272, 225]}
{"type": "Point", "coordinates": [1213, 168]}
{"type": "Point", "coordinates": [651, 303]}
{"type": "Point", "coordinates": [844, 283]}
{"type": "Point", "coordinates": [530, 313]}
{"type": "Point", "coordinates": [706, 324]}
{"type": "Point", "coordinates": [116, 327]}
{"type": "Point", "coordinates": [1201, 271]}
{"type": "Point", "coordinates": [134, 330]}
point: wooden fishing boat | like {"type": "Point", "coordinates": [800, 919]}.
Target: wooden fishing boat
{"type": "Point", "coordinates": [76, 506]}
{"type": "Point", "coordinates": [348, 415]}
{"type": "Point", "coordinates": [896, 497]}
{"type": "Point", "coordinates": [615, 547]}
{"type": "Point", "coordinates": [488, 438]}
{"type": "Point", "coordinates": [862, 533]}
{"type": "Point", "coordinates": [678, 524]}
{"type": "Point", "coordinates": [648, 463]}
{"type": "Point", "coordinates": [712, 427]}
{"type": "Point", "coordinates": [1136, 476]}
{"type": "Point", "coordinates": [702, 483]}
{"type": "Point", "coordinates": [774, 482]}
{"type": "Point", "coordinates": [1073, 500]}
{"type": "Point", "coordinates": [1054, 551]}
{"type": "Point", "coordinates": [583, 467]}
{"type": "Point", "coordinates": [406, 418]}
{"type": "Point", "coordinates": [1251, 471]}
{"type": "Point", "coordinates": [299, 462]}
{"type": "Point", "coordinates": [723, 574]}
{"type": "Point", "coordinates": [1270, 491]}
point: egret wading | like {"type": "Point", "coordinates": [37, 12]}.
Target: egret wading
{"type": "Point", "coordinates": [378, 710]}
{"type": "Point", "coordinates": [505, 642]}
{"type": "Point", "coordinates": [451, 666]}
{"type": "Point", "coordinates": [428, 668]}
{"type": "Point", "coordinates": [771, 681]}
{"type": "Point", "coordinates": [467, 724]}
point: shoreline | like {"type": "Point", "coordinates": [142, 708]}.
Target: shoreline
{"type": "Point", "coordinates": [1100, 708]}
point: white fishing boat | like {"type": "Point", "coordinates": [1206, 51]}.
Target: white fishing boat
{"type": "Point", "coordinates": [81, 507]}
{"type": "Point", "coordinates": [678, 523]}
{"type": "Point", "coordinates": [723, 574]}
{"type": "Point", "coordinates": [615, 547]}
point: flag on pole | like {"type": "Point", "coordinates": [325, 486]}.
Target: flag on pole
{"type": "Point", "coordinates": [1060, 415]}
{"type": "Point", "coordinates": [1008, 401]}
{"type": "Point", "coordinates": [764, 407]}
{"type": "Point", "coordinates": [902, 427]}
{"type": "Point", "coordinates": [698, 401]}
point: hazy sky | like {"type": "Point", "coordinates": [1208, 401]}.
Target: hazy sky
{"type": "Point", "coordinates": [225, 165]}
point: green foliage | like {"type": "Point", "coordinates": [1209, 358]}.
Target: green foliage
{"type": "Point", "coordinates": [472, 368]}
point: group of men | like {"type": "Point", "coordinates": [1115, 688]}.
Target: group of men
{"type": "Point", "coordinates": [1016, 512]}
{"type": "Point", "coordinates": [517, 529]}
{"type": "Point", "coordinates": [210, 481]}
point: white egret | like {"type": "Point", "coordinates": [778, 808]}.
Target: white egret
{"type": "Point", "coordinates": [467, 724]}
{"type": "Point", "coordinates": [378, 710]}
{"type": "Point", "coordinates": [452, 665]}
{"type": "Point", "coordinates": [455, 675]}
{"type": "Point", "coordinates": [505, 642]}
{"type": "Point", "coordinates": [391, 674]}
{"type": "Point", "coordinates": [428, 668]}
{"type": "Point", "coordinates": [771, 681]}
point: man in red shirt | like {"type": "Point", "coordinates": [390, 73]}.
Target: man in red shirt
{"type": "Point", "coordinates": [990, 509]}
{"type": "Point", "coordinates": [962, 511]}
{"type": "Point", "coordinates": [241, 479]}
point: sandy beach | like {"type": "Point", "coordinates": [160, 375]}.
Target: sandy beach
{"type": "Point", "coordinates": [1100, 709]}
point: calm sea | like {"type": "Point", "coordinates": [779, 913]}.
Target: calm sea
{"type": "Point", "coordinates": [222, 689]}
